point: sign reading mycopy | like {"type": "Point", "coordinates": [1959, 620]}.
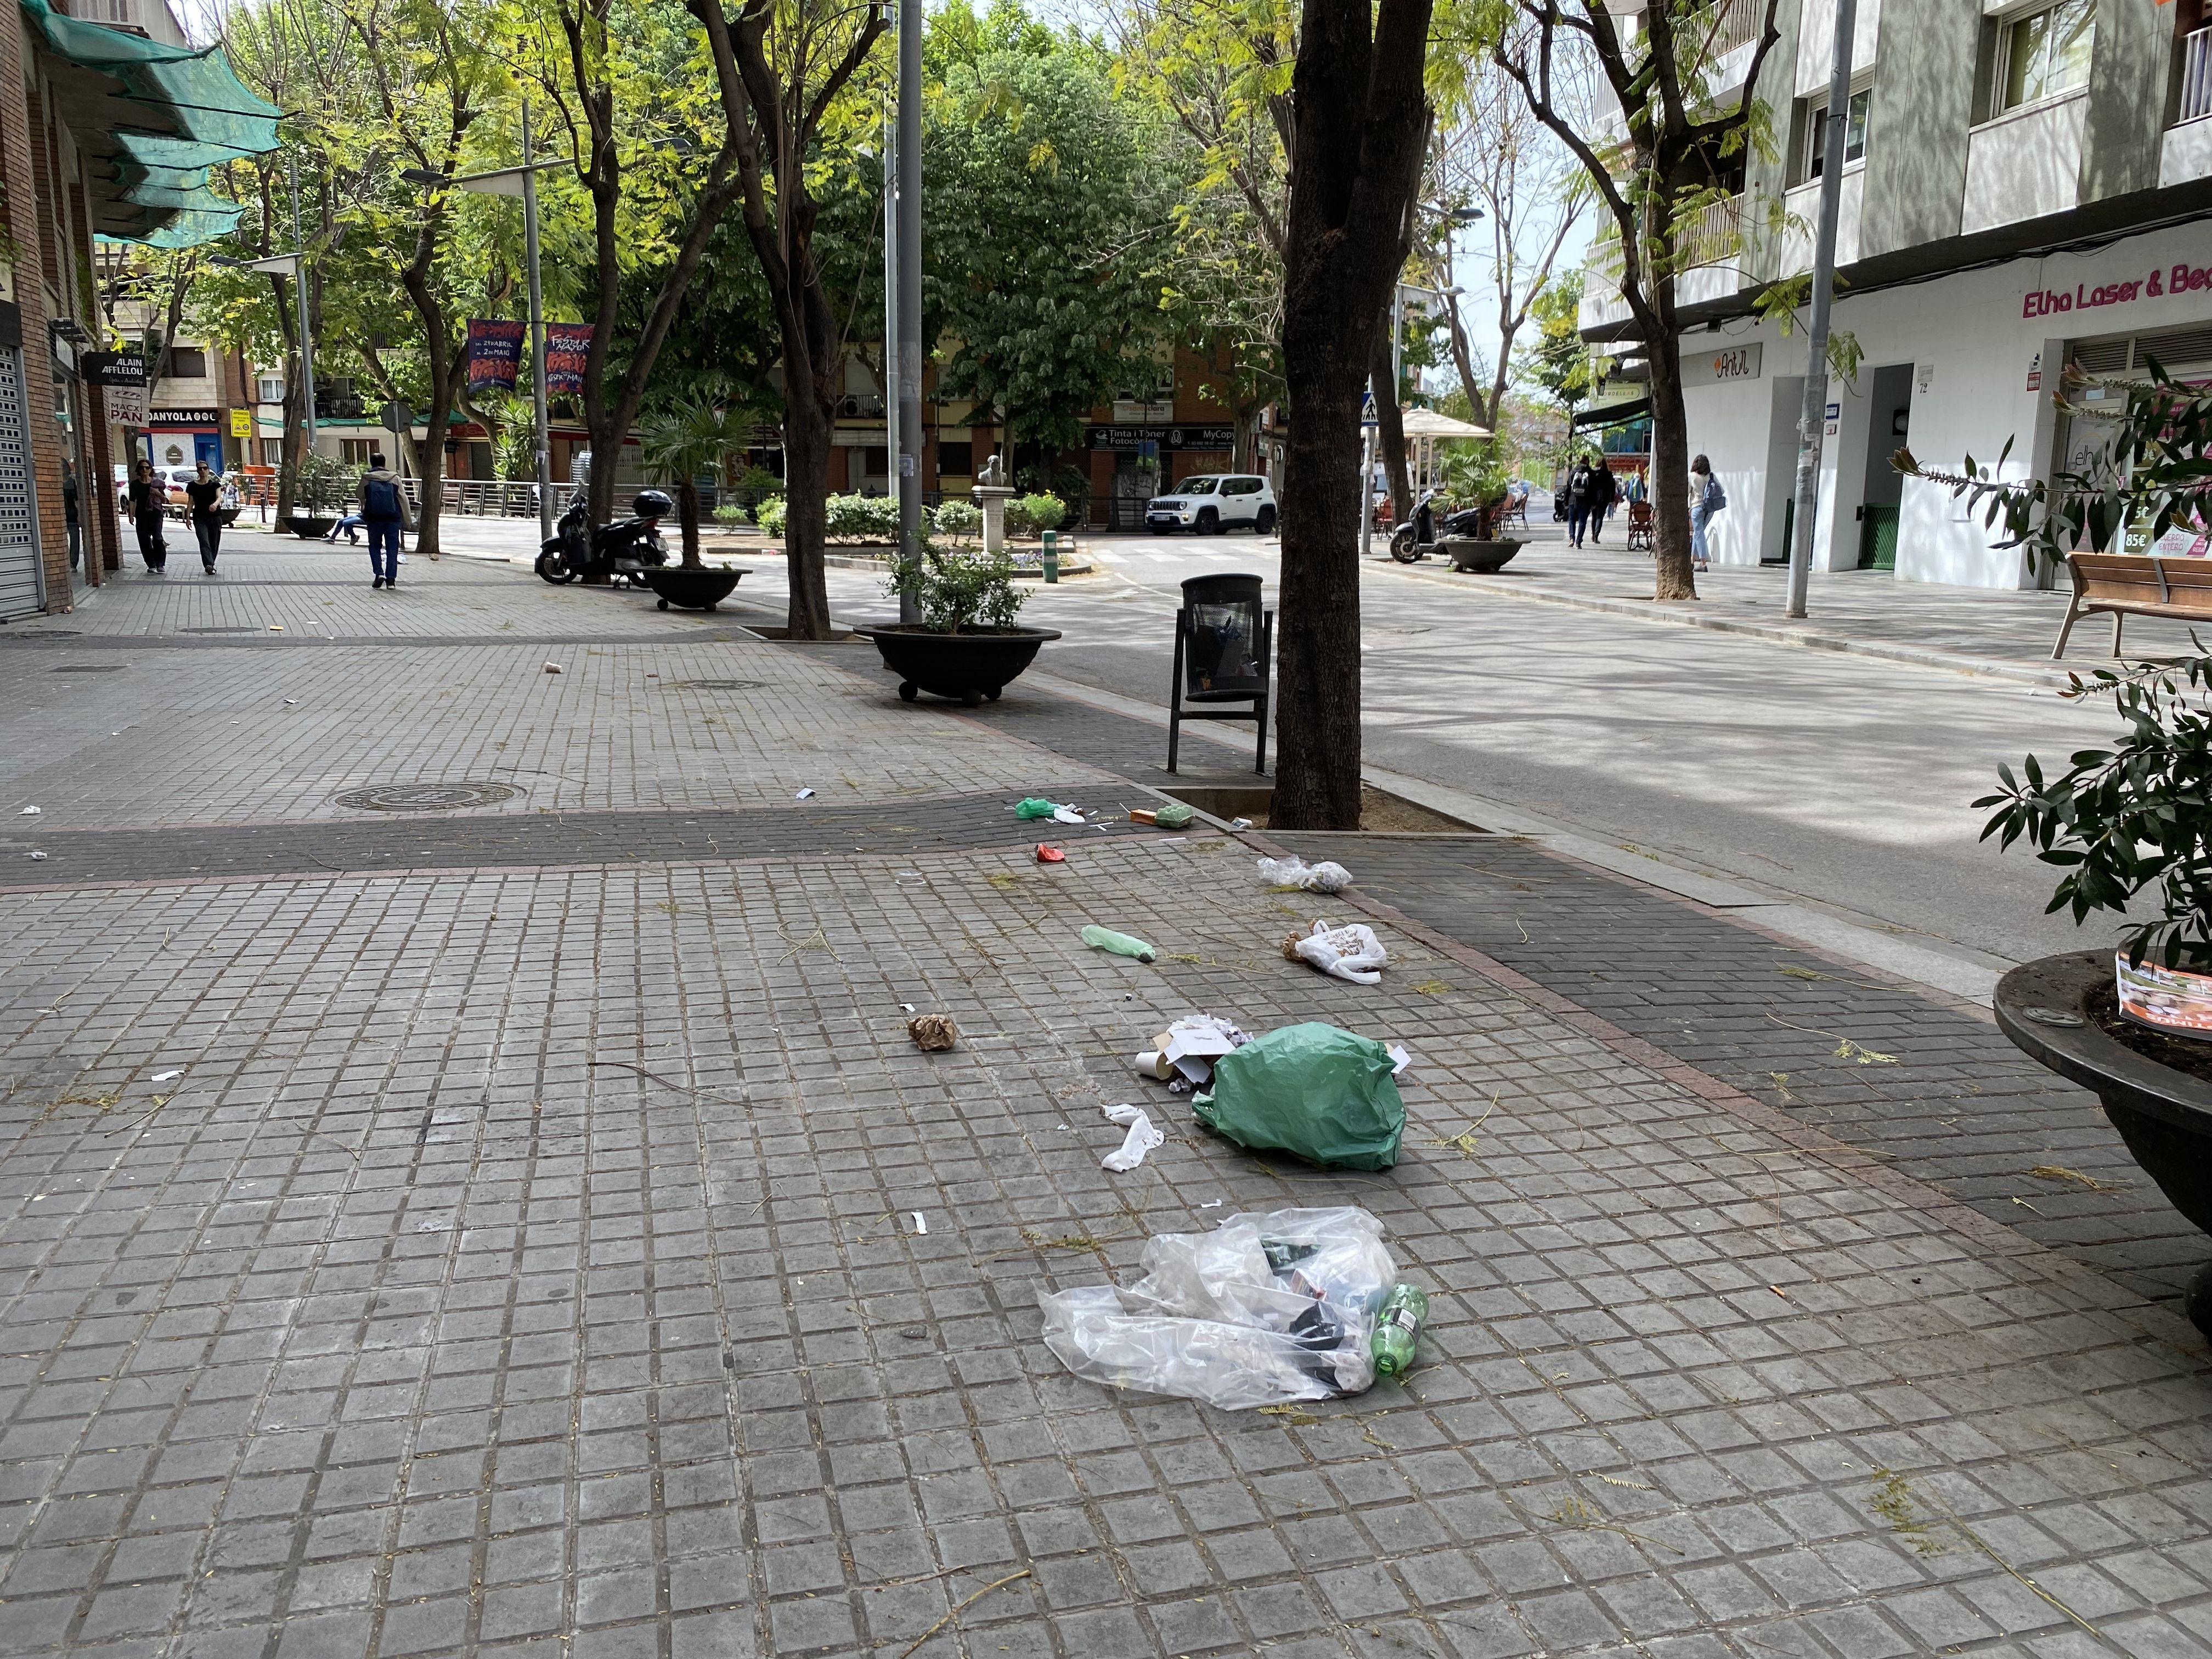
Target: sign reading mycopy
{"type": "Point", "coordinates": [2182, 277]}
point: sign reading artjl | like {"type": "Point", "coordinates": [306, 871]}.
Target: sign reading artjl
{"type": "Point", "coordinates": [1729, 364]}
{"type": "Point", "coordinates": [494, 354]}
{"type": "Point", "coordinates": [2179, 278]}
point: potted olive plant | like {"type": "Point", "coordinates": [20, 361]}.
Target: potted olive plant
{"type": "Point", "coordinates": [968, 644]}
{"type": "Point", "coordinates": [2126, 822]}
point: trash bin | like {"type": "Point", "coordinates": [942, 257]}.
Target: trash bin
{"type": "Point", "coordinates": [1222, 650]}
{"type": "Point", "coordinates": [1224, 636]}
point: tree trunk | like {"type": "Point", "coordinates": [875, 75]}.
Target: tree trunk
{"type": "Point", "coordinates": [1672, 575]}
{"type": "Point", "coordinates": [806, 488]}
{"type": "Point", "coordinates": [1390, 426]}
{"type": "Point", "coordinates": [293, 445]}
{"type": "Point", "coordinates": [1362, 120]}
{"type": "Point", "coordinates": [430, 468]}
{"type": "Point", "coordinates": [687, 519]}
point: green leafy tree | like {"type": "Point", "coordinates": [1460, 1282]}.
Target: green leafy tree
{"type": "Point", "coordinates": [685, 440]}
{"type": "Point", "coordinates": [1042, 281]}
{"type": "Point", "coordinates": [1560, 363]}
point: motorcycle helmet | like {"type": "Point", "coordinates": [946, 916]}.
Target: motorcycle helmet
{"type": "Point", "coordinates": [653, 504]}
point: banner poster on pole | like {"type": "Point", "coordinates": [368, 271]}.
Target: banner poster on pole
{"type": "Point", "coordinates": [494, 354]}
{"type": "Point", "coordinates": [567, 346]}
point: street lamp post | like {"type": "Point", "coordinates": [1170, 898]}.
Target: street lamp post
{"type": "Point", "coordinates": [299, 293]}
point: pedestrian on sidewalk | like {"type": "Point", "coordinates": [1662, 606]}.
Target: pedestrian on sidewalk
{"type": "Point", "coordinates": [385, 515]}
{"type": "Point", "coordinates": [69, 514]}
{"type": "Point", "coordinates": [203, 496]}
{"type": "Point", "coordinates": [1578, 483]}
{"type": "Point", "coordinates": [1706, 498]}
{"type": "Point", "coordinates": [149, 503]}
{"type": "Point", "coordinates": [1600, 493]}
{"type": "Point", "coordinates": [349, 525]}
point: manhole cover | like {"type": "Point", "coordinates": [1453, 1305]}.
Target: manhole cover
{"type": "Point", "coordinates": [715, 685]}
{"type": "Point", "coordinates": [91, 668]}
{"type": "Point", "coordinates": [426, 797]}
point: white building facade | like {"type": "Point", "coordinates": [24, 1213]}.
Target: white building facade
{"type": "Point", "coordinates": [2025, 188]}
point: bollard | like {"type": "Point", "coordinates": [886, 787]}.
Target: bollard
{"type": "Point", "coordinates": [1052, 557]}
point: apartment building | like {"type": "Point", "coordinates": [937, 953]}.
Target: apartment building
{"type": "Point", "coordinates": [2025, 185]}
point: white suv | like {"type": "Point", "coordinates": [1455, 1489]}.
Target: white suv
{"type": "Point", "coordinates": [1212, 503]}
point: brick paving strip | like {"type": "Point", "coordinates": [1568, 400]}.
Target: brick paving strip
{"type": "Point", "coordinates": [526, 1262]}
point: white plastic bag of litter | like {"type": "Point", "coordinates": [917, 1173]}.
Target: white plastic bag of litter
{"type": "Point", "coordinates": [1323, 877]}
{"type": "Point", "coordinates": [1351, 952]}
{"type": "Point", "coordinates": [1262, 1309]}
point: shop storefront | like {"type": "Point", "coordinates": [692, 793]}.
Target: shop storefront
{"type": "Point", "coordinates": [183, 437]}
{"type": "Point", "coordinates": [1959, 366]}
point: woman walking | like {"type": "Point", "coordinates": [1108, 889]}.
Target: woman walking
{"type": "Point", "coordinates": [148, 503]}
{"type": "Point", "coordinates": [205, 493]}
{"type": "Point", "coordinates": [1706, 498]}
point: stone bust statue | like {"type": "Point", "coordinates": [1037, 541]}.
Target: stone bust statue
{"type": "Point", "coordinates": [993, 472]}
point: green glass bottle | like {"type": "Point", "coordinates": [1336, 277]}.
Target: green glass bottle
{"type": "Point", "coordinates": [1397, 1325]}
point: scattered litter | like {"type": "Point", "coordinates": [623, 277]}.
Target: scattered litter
{"type": "Point", "coordinates": [921, 1227]}
{"type": "Point", "coordinates": [289, 703]}
{"type": "Point", "coordinates": [1067, 815]}
{"type": "Point", "coordinates": [1188, 1048]}
{"type": "Point", "coordinates": [1401, 1059]}
{"type": "Point", "coordinates": [1033, 806]}
{"type": "Point", "coordinates": [29, 812]}
{"type": "Point", "coordinates": [1121, 944]}
{"type": "Point", "coordinates": [38, 856]}
{"type": "Point", "coordinates": [907, 1006]}
{"type": "Point", "coordinates": [163, 1076]}
{"type": "Point", "coordinates": [1141, 1138]}
{"type": "Point", "coordinates": [1240, 823]}
{"type": "Point", "coordinates": [1314, 1090]}
{"type": "Point", "coordinates": [1139, 815]}
{"type": "Point", "coordinates": [1210, 1204]}
{"type": "Point", "coordinates": [1351, 952]}
{"type": "Point", "coordinates": [2060, 1172]}
{"type": "Point", "coordinates": [1323, 877]}
{"type": "Point", "coordinates": [552, 667]}
{"type": "Point", "coordinates": [1174, 815]}
{"type": "Point", "coordinates": [803, 795]}
{"type": "Point", "coordinates": [1050, 854]}
{"type": "Point", "coordinates": [1177, 1086]}
{"type": "Point", "coordinates": [933, 1033]}
{"type": "Point", "coordinates": [1264, 1309]}
{"type": "Point", "coordinates": [1398, 1329]}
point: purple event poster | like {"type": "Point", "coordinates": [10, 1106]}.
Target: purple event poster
{"type": "Point", "coordinates": [494, 354]}
{"type": "Point", "coordinates": [568, 345]}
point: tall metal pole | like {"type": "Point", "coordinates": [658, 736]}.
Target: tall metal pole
{"type": "Point", "coordinates": [1812, 421]}
{"type": "Point", "coordinates": [909, 204]}
{"type": "Point", "coordinates": [536, 332]}
{"type": "Point", "coordinates": [890, 297]}
{"type": "Point", "coordinates": [1368, 434]}
{"type": "Point", "coordinates": [299, 293]}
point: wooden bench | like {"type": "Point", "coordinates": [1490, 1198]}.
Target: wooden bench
{"type": "Point", "coordinates": [2135, 585]}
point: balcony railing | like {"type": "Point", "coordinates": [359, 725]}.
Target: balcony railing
{"type": "Point", "coordinates": [2197, 76]}
{"type": "Point", "coordinates": [1712, 237]}
{"type": "Point", "coordinates": [1737, 25]}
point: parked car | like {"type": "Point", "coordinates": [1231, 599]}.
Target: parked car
{"type": "Point", "coordinates": [175, 478]}
{"type": "Point", "coordinates": [1213, 502]}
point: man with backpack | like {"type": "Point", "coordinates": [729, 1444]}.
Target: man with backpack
{"type": "Point", "coordinates": [384, 513]}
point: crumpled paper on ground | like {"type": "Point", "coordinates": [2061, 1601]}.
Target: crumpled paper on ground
{"type": "Point", "coordinates": [1141, 1138]}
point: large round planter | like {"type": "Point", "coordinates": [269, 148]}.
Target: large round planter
{"type": "Point", "coordinates": [697, 588]}
{"type": "Point", "coordinates": [2165, 1116]}
{"type": "Point", "coordinates": [309, 528]}
{"type": "Point", "coordinates": [967, 666]}
{"type": "Point", "coordinates": [1480, 558]}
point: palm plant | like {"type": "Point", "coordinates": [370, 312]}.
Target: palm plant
{"type": "Point", "coordinates": [685, 440]}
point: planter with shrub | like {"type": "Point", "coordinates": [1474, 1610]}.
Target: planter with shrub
{"type": "Point", "coordinates": [2129, 820]}
{"type": "Point", "coordinates": [967, 645]}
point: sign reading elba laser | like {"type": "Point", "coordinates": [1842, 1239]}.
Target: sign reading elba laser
{"type": "Point", "coordinates": [2181, 277]}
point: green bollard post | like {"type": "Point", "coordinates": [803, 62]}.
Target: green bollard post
{"type": "Point", "coordinates": [1052, 557]}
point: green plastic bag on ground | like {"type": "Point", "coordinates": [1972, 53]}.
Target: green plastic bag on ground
{"type": "Point", "coordinates": [1314, 1090]}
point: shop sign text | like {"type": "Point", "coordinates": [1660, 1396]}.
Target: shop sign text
{"type": "Point", "coordinates": [2181, 277]}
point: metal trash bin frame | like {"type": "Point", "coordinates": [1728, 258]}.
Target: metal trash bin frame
{"type": "Point", "coordinates": [1253, 690]}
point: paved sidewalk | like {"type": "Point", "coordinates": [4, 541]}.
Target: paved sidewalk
{"type": "Point", "coordinates": [576, 1258]}
{"type": "Point", "coordinates": [2004, 634]}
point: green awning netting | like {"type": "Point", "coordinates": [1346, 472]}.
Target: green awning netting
{"type": "Point", "coordinates": [152, 119]}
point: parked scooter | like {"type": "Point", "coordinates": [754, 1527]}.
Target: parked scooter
{"type": "Point", "coordinates": [1414, 540]}
{"type": "Point", "coordinates": [617, 550]}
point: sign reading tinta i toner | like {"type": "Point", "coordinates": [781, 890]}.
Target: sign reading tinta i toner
{"type": "Point", "coordinates": [2162, 283]}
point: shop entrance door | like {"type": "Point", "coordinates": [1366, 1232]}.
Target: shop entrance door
{"type": "Point", "coordinates": [1889, 409]}
{"type": "Point", "coordinates": [208, 446]}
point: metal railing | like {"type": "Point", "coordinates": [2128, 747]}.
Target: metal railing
{"type": "Point", "coordinates": [2197, 76]}
{"type": "Point", "coordinates": [1737, 24]}
{"type": "Point", "coordinates": [1712, 236]}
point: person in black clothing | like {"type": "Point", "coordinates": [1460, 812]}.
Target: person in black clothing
{"type": "Point", "coordinates": [205, 493]}
{"type": "Point", "coordinates": [69, 511]}
{"type": "Point", "coordinates": [147, 499]}
{"type": "Point", "coordinates": [1598, 495]}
